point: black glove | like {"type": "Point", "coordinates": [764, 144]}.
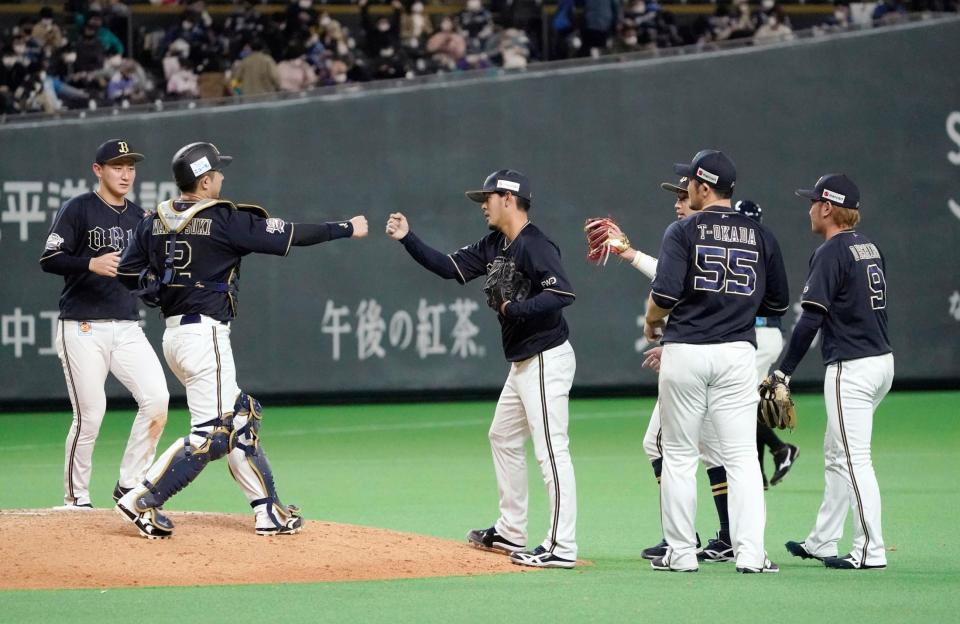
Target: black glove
{"type": "Point", "coordinates": [504, 283]}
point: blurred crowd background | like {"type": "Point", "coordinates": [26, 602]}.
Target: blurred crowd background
{"type": "Point", "coordinates": [87, 54]}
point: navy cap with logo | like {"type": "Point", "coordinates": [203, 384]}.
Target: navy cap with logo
{"type": "Point", "coordinates": [679, 187]}
{"type": "Point", "coordinates": [750, 209]}
{"type": "Point", "coordinates": [710, 167]}
{"type": "Point", "coordinates": [193, 160]}
{"type": "Point", "coordinates": [835, 188]}
{"type": "Point", "coordinates": [115, 149]}
{"type": "Point", "coordinates": [502, 181]}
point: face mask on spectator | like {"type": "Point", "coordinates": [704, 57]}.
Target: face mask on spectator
{"type": "Point", "coordinates": [383, 25]}
{"type": "Point", "coordinates": [305, 4]}
{"type": "Point", "coordinates": [417, 7]}
{"type": "Point", "coordinates": [8, 61]}
{"type": "Point", "coordinates": [42, 75]}
{"type": "Point", "coordinates": [772, 22]}
{"type": "Point", "coordinates": [342, 48]}
{"type": "Point", "coordinates": [386, 52]}
{"type": "Point", "coordinates": [325, 20]}
{"type": "Point", "coordinates": [474, 5]}
{"type": "Point", "coordinates": [186, 25]}
{"type": "Point", "coordinates": [70, 57]}
{"type": "Point", "coordinates": [639, 7]}
{"type": "Point", "coordinates": [767, 4]}
{"type": "Point", "coordinates": [840, 16]}
{"type": "Point", "coordinates": [630, 40]}
{"type": "Point", "coordinates": [47, 21]}
{"type": "Point", "coordinates": [340, 78]}
{"type": "Point", "coordinates": [19, 49]}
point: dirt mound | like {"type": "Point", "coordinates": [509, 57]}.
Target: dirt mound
{"type": "Point", "coordinates": [44, 549]}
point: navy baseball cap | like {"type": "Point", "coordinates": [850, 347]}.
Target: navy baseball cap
{"type": "Point", "coordinates": [710, 167]}
{"type": "Point", "coordinates": [502, 181]}
{"type": "Point", "coordinates": [749, 209]}
{"type": "Point", "coordinates": [679, 187]}
{"type": "Point", "coordinates": [835, 188]}
{"type": "Point", "coordinates": [115, 149]}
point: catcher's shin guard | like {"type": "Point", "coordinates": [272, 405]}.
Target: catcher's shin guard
{"type": "Point", "coordinates": [250, 468]}
{"type": "Point", "coordinates": [177, 467]}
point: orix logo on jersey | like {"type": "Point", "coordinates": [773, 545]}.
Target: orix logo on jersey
{"type": "Point", "coordinates": [115, 238]}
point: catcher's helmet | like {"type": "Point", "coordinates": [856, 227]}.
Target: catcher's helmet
{"type": "Point", "coordinates": [193, 160]}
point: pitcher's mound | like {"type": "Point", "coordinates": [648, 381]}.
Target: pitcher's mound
{"type": "Point", "coordinates": [43, 549]}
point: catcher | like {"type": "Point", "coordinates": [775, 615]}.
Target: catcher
{"type": "Point", "coordinates": [528, 288]}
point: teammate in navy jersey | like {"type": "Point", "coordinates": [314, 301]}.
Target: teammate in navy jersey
{"type": "Point", "coordinates": [845, 298]}
{"type": "Point", "coordinates": [534, 401]}
{"type": "Point", "coordinates": [717, 270]}
{"type": "Point", "coordinates": [769, 346]}
{"type": "Point", "coordinates": [98, 332]}
{"type": "Point", "coordinates": [187, 258]}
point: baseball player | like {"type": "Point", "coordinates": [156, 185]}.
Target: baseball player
{"type": "Point", "coordinates": [717, 270]}
{"type": "Point", "coordinates": [534, 401]}
{"type": "Point", "coordinates": [98, 331]}
{"type": "Point", "coordinates": [845, 298]}
{"type": "Point", "coordinates": [718, 548]}
{"type": "Point", "coordinates": [769, 345]}
{"type": "Point", "coordinates": [186, 258]}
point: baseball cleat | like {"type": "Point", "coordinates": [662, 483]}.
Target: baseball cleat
{"type": "Point", "coordinates": [766, 483]}
{"type": "Point", "coordinates": [799, 549]}
{"type": "Point", "coordinates": [655, 551]}
{"type": "Point", "coordinates": [152, 524]}
{"type": "Point", "coordinates": [717, 549]}
{"type": "Point", "coordinates": [489, 539]}
{"type": "Point", "coordinates": [540, 557]}
{"type": "Point", "coordinates": [663, 564]}
{"type": "Point", "coordinates": [74, 507]}
{"type": "Point", "coordinates": [847, 562]}
{"type": "Point", "coordinates": [783, 461]}
{"type": "Point", "coordinates": [119, 492]}
{"type": "Point", "coordinates": [291, 527]}
{"type": "Point", "coordinates": [769, 567]}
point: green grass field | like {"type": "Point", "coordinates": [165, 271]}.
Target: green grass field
{"type": "Point", "coordinates": [427, 469]}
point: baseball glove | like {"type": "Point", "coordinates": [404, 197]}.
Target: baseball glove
{"type": "Point", "coordinates": [776, 408]}
{"type": "Point", "coordinates": [504, 283]}
{"type": "Point", "coordinates": [604, 237]}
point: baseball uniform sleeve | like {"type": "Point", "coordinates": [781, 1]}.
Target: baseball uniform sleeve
{"type": "Point", "coordinates": [776, 298]}
{"type": "Point", "coordinates": [64, 242]}
{"type": "Point", "coordinates": [250, 233]}
{"type": "Point", "coordinates": [431, 259]}
{"type": "Point", "coordinates": [672, 267]}
{"type": "Point", "coordinates": [471, 261]}
{"type": "Point", "coordinates": [823, 281]}
{"type": "Point", "coordinates": [542, 264]}
{"type": "Point", "coordinates": [135, 257]}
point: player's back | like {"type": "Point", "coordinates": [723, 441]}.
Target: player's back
{"type": "Point", "coordinates": [719, 268]}
{"type": "Point", "coordinates": [847, 279]}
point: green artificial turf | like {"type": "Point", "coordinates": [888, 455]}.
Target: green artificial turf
{"type": "Point", "coordinates": [427, 469]}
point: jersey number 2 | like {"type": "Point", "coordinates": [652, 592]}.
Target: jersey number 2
{"type": "Point", "coordinates": [878, 287]}
{"type": "Point", "coordinates": [726, 270]}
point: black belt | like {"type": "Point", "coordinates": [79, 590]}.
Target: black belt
{"type": "Point", "coordinates": [189, 319]}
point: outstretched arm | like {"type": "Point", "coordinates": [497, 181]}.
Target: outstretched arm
{"type": "Point", "coordinates": [426, 256]}
{"type": "Point", "coordinates": [305, 234]}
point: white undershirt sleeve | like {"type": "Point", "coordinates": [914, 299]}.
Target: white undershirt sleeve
{"type": "Point", "coordinates": [645, 264]}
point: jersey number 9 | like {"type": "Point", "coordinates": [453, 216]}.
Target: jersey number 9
{"type": "Point", "coordinates": [878, 286]}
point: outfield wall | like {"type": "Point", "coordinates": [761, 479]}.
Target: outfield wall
{"type": "Point", "coordinates": [361, 316]}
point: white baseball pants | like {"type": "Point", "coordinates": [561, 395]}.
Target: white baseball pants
{"type": "Point", "coordinates": [534, 404]}
{"type": "Point", "coordinates": [709, 442]}
{"type": "Point", "coordinates": [201, 357]}
{"type": "Point", "coordinates": [88, 351]}
{"type": "Point", "coordinates": [716, 382]}
{"type": "Point", "coordinates": [769, 345]}
{"type": "Point", "coordinates": [852, 391]}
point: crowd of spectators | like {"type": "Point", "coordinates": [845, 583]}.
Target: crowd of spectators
{"type": "Point", "coordinates": [78, 58]}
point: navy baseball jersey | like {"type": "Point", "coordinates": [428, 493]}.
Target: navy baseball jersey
{"type": "Point", "coordinates": [86, 227]}
{"type": "Point", "coordinates": [536, 323]}
{"type": "Point", "coordinates": [717, 271]}
{"type": "Point", "coordinates": [208, 250]}
{"type": "Point", "coordinates": [847, 281]}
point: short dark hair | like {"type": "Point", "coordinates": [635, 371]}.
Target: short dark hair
{"type": "Point", "coordinates": [192, 186]}
{"type": "Point", "coordinates": [522, 203]}
{"type": "Point", "coordinates": [721, 193]}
